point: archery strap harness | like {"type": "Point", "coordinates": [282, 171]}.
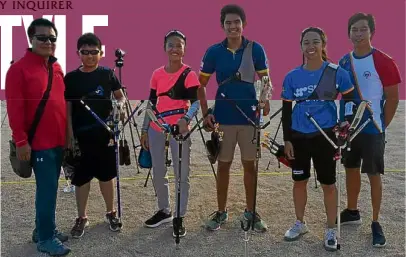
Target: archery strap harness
{"type": "Point", "coordinates": [326, 88]}
{"type": "Point", "coordinates": [246, 70]}
{"type": "Point", "coordinates": [178, 91]}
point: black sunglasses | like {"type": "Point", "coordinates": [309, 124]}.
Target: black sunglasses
{"type": "Point", "coordinates": [44, 39]}
{"type": "Point", "coordinates": [92, 52]}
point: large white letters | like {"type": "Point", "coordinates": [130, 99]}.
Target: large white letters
{"type": "Point", "coordinates": [7, 22]}
{"type": "Point", "coordinates": [91, 21]}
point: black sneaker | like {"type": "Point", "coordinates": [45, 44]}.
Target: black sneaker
{"type": "Point", "coordinates": [159, 218]}
{"type": "Point", "coordinates": [79, 228]}
{"type": "Point", "coordinates": [378, 238]}
{"type": "Point", "coordinates": [182, 229]}
{"type": "Point", "coordinates": [350, 217]}
{"type": "Point", "coordinates": [113, 221]}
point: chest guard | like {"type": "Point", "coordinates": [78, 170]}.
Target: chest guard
{"type": "Point", "coordinates": [326, 88]}
{"type": "Point", "coordinates": [178, 90]}
{"type": "Point", "coordinates": [246, 70]}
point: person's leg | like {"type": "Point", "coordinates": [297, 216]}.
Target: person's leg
{"type": "Point", "coordinates": [323, 158]}
{"type": "Point", "coordinates": [352, 164]}
{"type": "Point", "coordinates": [248, 151]}
{"type": "Point", "coordinates": [45, 166]}
{"type": "Point", "coordinates": [373, 165]}
{"type": "Point", "coordinates": [81, 180]}
{"type": "Point", "coordinates": [159, 172]}
{"type": "Point", "coordinates": [225, 158]}
{"type": "Point", "coordinates": [300, 176]}
{"type": "Point", "coordinates": [184, 182]}
{"type": "Point", "coordinates": [106, 172]}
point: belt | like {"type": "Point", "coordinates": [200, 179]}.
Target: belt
{"type": "Point", "coordinates": [171, 112]}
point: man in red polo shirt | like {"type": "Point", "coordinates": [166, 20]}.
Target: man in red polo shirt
{"type": "Point", "coordinates": [26, 82]}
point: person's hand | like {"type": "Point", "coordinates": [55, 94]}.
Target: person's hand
{"type": "Point", "coordinates": [144, 141]}
{"type": "Point", "coordinates": [289, 152]}
{"type": "Point", "coordinates": [69, 142]}
{"type": "Point", "coordinates": [208, 123]}
{"type": "Point", "coordinates": [123, 115]}
{"type": "Point", "coordinates": [24, 152]}
{"type": "Point", "coordinates": [267, 108]}
{"type": "Point", "coordinates": [183, 126]}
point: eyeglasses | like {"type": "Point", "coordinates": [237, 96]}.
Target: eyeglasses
{"type": "Point", "coordinates": [87, 52]}
{"type": "Point", "coordinates": [44, 39]}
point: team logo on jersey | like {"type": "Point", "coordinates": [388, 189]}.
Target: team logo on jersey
{"type": "Point", "coordinates": [367, 74]}
{"type": "Point", "coordinates": [99, 91]}
{"type": "Point", "coordinates": [299, 92]}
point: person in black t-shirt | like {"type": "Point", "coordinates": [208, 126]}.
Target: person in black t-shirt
{"type": "Point", "coordinates": [94, 85]}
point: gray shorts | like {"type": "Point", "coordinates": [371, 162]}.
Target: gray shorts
{"type": "Point", "coordinates": [370, 148]}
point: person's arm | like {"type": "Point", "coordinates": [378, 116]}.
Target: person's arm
{"type": "Point", "coordinates": [390, 76]}
{"type": "Point", "coordinates": [207, 68]}
{"type": "Point", "coordinates": [287, 103]}
{"type": "Point", "coordinates": [192, 87]}
{"type": "Point", "coordinates": [152, 101]}
{"type": "Point", "coordinates": [287, 120]}
{"type": "Point", "coordinates": [391, 103]}
{"type": "Point", "coordinates": [16, 104]}
{"type": "Point", "coordinates": [117, 89]}
{"type": "Point", "coordinates": [261, 68]}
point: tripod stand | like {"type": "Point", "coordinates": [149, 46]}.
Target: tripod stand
{"type": "Point", "coordinates": [180, 138]}
{"type": "Point", "coordinates": [344, 139]}
{"type": "Point", "coordinates": [263, 89]}
{"type": "Point", "coordinates": [119, 63]}
{"type": "Point", "coordinates": [112, 127]}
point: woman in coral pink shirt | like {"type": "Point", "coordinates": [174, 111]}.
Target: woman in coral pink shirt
{"type": "Point", "coordinates": [174, 97]}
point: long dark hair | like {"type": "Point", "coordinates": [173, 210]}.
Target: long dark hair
{"type": "Point", "coordinates": [323, 39]}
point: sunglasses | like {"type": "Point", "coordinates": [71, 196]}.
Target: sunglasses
{"type": "Point", "coordinates": [87, 52]}
{"type": "Point", "coordinates": [44, 39]}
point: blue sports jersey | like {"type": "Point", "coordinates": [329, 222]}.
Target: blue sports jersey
{"type": "Point", "coordinates": [299, 84]}
{"type": "Point", "coordinates": [225, 63]}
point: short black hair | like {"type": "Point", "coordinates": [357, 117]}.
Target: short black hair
{"type": "Point", "coordinates": [362, 16]}
{"type": "Point", "coordinates": [234, 9]}
{"type": "Point", "coordinates": [41, 22]}
{"type": "Point", "coordinates": [89, 39]}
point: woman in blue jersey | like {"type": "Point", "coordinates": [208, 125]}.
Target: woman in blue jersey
{"type": "Point", "coordinates": [313, 86]}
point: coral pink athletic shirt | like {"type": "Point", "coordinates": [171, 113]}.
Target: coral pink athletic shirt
{"type": "Point", "coordinates": [162, 81]}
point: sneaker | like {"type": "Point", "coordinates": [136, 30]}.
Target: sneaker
{"type": "Point", "coordinates": [260, 225]}
{"type": "Point", "coordinates": [298, 229]}
{"type": "Point", "coordinates": [53, 247]}
{"type": "Point", "coordinates": [378, 237]}
{"type": "Point", "coordinates": [182, 229]}
{"type": "Point", "coordinates": [113, 221]}
{"type": "Point", "coordinates": [160, 217]}
{"type": "Point", "coordinates": [217, 219]}
{"type": "Point", "coordinates": [350, 217]}
{"type": "Point", "coordinates": [79, 228]}
{"type": "Point", "coordinates": [330, 240]}
{"type": "Point", "coordinates": [59, 235]}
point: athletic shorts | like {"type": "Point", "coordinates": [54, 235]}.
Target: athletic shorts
{"type": "Point", "coordinates": [241, 134]}
{"type": "Point", "coordinates": [318, 149]}
{"type": "Point", "coordinates": [98, 160]}
{"type": "Point", "coordinates": [370, 148]}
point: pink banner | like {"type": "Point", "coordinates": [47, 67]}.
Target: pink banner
{"type": "Point", "coordinates": [138, 27]}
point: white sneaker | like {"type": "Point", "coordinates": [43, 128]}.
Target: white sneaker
{"type": "Point", "coordinates": [296, 231]}
{"type": "Point", "coordinates": [330, 240]}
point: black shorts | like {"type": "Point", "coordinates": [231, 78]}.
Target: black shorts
{"type": "Point", "coordinates": [318, 149]}
{"type": "Point", "coordinates": [98, 160]}
{"type": "Point", "coordinates": [370, 148]}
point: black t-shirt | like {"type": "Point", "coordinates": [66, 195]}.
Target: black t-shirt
{"type": "Point", "coordinates": [95, 89]}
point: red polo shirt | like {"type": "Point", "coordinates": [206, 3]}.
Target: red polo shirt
{"type": "Point", "coordinates": [26, 82]}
